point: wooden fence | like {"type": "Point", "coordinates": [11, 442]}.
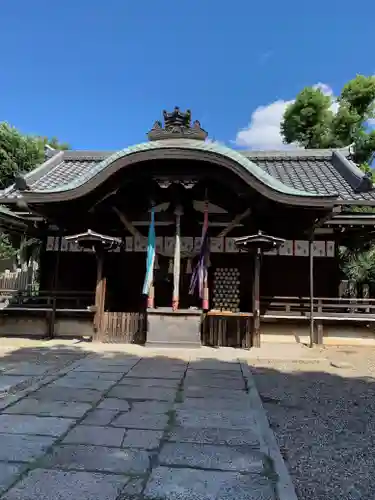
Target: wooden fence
{"type": "Point", "coordinates": [227, 330]}
{"type": "Point", "coordinates": [123, 327]}
{"type": "Point", "coordinates": [20, 279]}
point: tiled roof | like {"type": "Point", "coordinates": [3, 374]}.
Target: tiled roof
{"type": "Point", "coordinates": [319, 172]}
{"type": "Point", "coordinates": [311, 170]}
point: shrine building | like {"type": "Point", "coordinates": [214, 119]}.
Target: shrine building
{"type": "Point", "coordinates": [184, 241]}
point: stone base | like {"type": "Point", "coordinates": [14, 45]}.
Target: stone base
{"type": "Point", "coordinates": [167, 328]}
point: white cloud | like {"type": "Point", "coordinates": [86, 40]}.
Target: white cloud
{"type": "Point", "coordinates": [263, 131]}
{"type": "Point", "coordinates": [324, 88]}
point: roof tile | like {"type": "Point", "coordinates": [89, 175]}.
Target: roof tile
{"type": "Point", "coordinates": [310, 171]}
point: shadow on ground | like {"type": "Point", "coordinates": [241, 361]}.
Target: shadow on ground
{"type": "Point", "coordinates": [325, 426]}
{"type": "Point", "coordinates": [324, 422]}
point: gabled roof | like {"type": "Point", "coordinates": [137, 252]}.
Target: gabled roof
{"type": "Point", "coordinates": [310, 173]}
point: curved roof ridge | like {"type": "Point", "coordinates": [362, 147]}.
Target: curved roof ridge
{"type": "Point", "coordinates": [215, 148]}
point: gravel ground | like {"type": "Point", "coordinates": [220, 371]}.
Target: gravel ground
{"type": "Point", "coordinates": [323, 417]}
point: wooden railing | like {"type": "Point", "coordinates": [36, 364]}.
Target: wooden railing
{"type": "Point", "coordinates": [323, 307]}
{"type": "Point", "coordinates": [69, 300]}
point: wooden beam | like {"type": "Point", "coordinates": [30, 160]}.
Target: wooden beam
{"type": "Point", "coordinates": [256, 299]}
{"type": "Point", "coordinates": [100, 293]}
{"type": "Point", "coordinates": [234, 223]}
{"type": "Point", "coordinates": [128, 225]}
{"type": "Point", "coordinates": [311, 283]}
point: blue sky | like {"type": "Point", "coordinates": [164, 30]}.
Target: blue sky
{"type": "Point", "coordinates": [97, 74]}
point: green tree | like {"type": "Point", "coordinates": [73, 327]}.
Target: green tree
{"type": "Point", "coordinates": [21, 153]}
{"type": "Point", "coordinates": [310, 121]}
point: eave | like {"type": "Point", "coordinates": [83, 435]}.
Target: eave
{"type": "Point", "coordinates": [222, 156]}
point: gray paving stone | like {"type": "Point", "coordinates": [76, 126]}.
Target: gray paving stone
{"type": "Point", "coordinates": [30, 424]}
{"type": "Point", "coordinates": [180, 484]}
{"type": "Point", "coordinates": [119, 359]}
{"type": "Point", "coordinates": [150, 382]}
{"type": "Point", "coordinates": [225, 419]}
{"type": "Point", "coordinates": [100, 417]}
{"type": "Point", "coordinates": [42, 484]}
{"type": "Point", "coordinates": [134, 420]}
{"type": "Point", "coordinates": [215, 404]}
{"type": "Point", "coordinates": [142, 393]}
{"type": "Point", "coordinates": [114, 404]}
{"type": "Point", "coordinates": [9, 381]}
{"type": "Point", "coordinates": [8, 474]}
{"type": "Point", "coordinates": [154, 407]}
{"type": "Point", "coordinates": [114, 376]}
{"type": "Point", "coordinates": [222, 374]}
{"type": "Point", "coordinates": [217, 382]}
{"type": "Point", "coordinates": [82, 382]}
{"type": "Point", "coordinates": [99, 367]}
{"type": "Point", "coordinates": [213, 393]}
{"type": "Point", "coordinates": [68, 394]}
{"type": "Point", "coordinates": [30, 406]}
{"type": "Point", "coordinates": [30, 369]}
{"type": "Point", "coordinates": [90, 434]}
{"type": "Point", "coordinates": [98, 458]}
{"type": "Point", "coordinates": [215, 436]}
{"type": "Point", "coordinates": [133, 488]}
{"type": "Point", "coordinates": [146, 373]}
{"type": "Point", "coordinates": [218, 366]}
{"type": "Point", "coordinates": [162, 364]}
{"type": "Point", "coordinates": [212, 457]}
{"type": "Point", "coordinates": [23, 448]}
{"type": "Point", "coordinates": [145, 439]}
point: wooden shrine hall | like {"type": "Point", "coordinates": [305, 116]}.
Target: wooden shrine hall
{"type": "Point", "coordinates": [184, 241]}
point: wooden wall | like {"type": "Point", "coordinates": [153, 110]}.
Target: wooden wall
{"type": "Point", "coordinates": [280, 276]}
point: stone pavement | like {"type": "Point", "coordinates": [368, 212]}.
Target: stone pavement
{"type": "Point", "coordinates": [117, 425]}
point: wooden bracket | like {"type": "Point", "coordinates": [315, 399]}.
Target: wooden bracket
{"type": "Point", "coordinates": [234, 223]}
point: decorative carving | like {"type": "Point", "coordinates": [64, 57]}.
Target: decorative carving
{"type": "Point", "coordinates": [177, 118]}
{"type": "Point", "coordinates": [177, 125]}
{"type": "Point", "coordinates": [157, 125]}
{"type": "Point", "coordinates": [166, 183]}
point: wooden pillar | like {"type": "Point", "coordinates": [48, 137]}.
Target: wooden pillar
{"type": "Point", "coordinates": [311, 283]}
{"type": "Point", "coordinates": [205, 301]}
{"type": "Point", "coordinates": [177, 260]}
{"type": "Point", "coordinates": [151, 297]}
{"type": "Point", "coordinates": [256, 299]}
{"type": "Point", "coordinates": [52, 318]}
{"type": "Point", "coordinates": [99, 293]}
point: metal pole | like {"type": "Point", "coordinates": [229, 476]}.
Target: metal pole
{"type": "Point", "coordinates": [311, 282]}
{"type": "Point", "coordinates": [51, 329]}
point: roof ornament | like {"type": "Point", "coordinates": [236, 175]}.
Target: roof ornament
{"type": "Point", "coordinates": [49, 151]}
{"type": "Point", "coordinates": [20, 183]}
{"type": "Point", "coordinates": [177, 125]}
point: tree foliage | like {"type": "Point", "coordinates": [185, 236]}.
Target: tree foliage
{"type": "Point", "coordinates": [21, 153]}
{"type": "Point", "coordinates": [315, 120]}
{"type": "Point", "coordinates": [359, 265]}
